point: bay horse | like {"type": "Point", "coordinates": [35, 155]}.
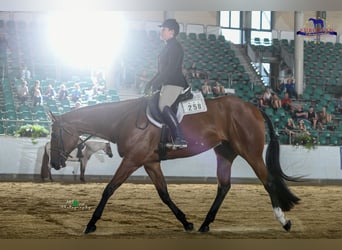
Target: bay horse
{"type": "Point", "coordinates": [231, 127]}
{"type": "Point", "coordinates": [90, 148]}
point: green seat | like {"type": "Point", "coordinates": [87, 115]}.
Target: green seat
{"type": "Point", "coordinates": [322, 140]}
{"type": "Point", "coordinates": [38, 108]}
{"type": "Point", "coordinates": [26, 115]}
{"type": "Point", "coordinates": [334, 140]}
{"type": "Point", "coordinates": [41, 116]}
{"type": "Point", "coordinates": [257, 40]}
{"type": "Point", "coordinates": [115, 98]}
{"type": "Point", "coordinates": [202, 36]}
{"type": "Point", "coordinates": [114, 91]}
{"type": "Point", "coordinates": [192, 36]}
{"type": "Point", "coordinates": [92, 102]}
{"type": "Point", "coordinates": [2, 129]}
{"type": "Point", "coordinates": [24, 107]}
{"type": "Point", "coordinates": [101, 98]}
{"type": "Point", "coordinates": [284, 139]}
{"type": "Point", "coordinates": [11, 115]}
{"type": "Point", "coordinates": [211, 37]}
{"type": "Point", "coordinates": [182, 35]}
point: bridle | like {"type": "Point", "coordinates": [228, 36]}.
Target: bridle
{"type": "Point", "coordinates": [60, 149]}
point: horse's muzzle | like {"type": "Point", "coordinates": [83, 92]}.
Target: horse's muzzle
{"type": "Point", "coordinates": [59, 165]}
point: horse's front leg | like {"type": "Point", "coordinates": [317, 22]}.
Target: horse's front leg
{"type": "Point", "coordinates": [223, 177]}
{"type": "Point", "coordinates": [125, 169]}
{"type": "Point", "coordinates": [157, 177]}
{"type": "Point", "coordinates": [83, 162]}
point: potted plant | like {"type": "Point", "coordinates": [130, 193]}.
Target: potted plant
{"type": "Point", "coordinates": [32, 130]}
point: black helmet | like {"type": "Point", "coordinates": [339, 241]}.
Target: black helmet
{"type": "Point", "coordinates": [172, 24]}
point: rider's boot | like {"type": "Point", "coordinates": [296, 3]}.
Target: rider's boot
{"type": "Point", "coordinates": [171, 120]}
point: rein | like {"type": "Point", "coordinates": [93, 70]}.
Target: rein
{"type": "Point", "coordinates": [61, 151]}
{"type": "Point", "coordinates": [83, 141]}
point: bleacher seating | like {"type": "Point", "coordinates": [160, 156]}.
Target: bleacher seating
{"type": "Point", "coordinates": [211, 54]}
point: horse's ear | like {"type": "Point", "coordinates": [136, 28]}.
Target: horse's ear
{"type": "Point", "coordinates": [52, 116]}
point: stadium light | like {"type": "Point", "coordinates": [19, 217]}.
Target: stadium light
{"type": "Point", "coordinates": [86, 38]}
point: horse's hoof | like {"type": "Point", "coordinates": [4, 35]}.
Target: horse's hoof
{"type": "Point", "coordinates": [203, 229]}
{"type": "Point", "coordinates": [89, 229]}
{"type": "Point", "coordinates": [189, 227]}
{"type": "Point", "coordinates": [287, 226]}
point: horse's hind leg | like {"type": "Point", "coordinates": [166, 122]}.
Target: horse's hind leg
{"type": "Point", "coordinates": [271, 185]}
{"type": "Point", "coordinates": [157, 177]}
{"type": "Point", "coordinates": [224, 162]}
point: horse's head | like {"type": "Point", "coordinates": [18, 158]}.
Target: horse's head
{"type": "Point", "coordinates": [64, 138]}
{"type": "Point", "coordinates": [108, 150]}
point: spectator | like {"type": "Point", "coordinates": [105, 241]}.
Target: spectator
{"type": "Point", "coordinates": [323, 118]}
{"type": "Point", "coordinates": [34, 87]}
{"type": "Point", "coordinates": [77, 105]}
{"type": "Point", "coordinates": [76, 93]}
{"type": "Point", "coordinates": [97, 89]}
{"type": "Point", "coordinates": [100, 78]}
{"type": "Point", "coordinates": [302, 127]}
{"type": "Point", "coordinates": [282, 87]}
{"type": "Point", "coordinates": [63, 93]}
{"type": "Point", "coordinates": [276, 102]}
{"type": "Point", "coordinates": [266, 99]}
{"type": "Point", "coordinates": [286, 102]}
{"type": "Point", "coordinates": [338, 106]}
{"type": "Point", "coordinates": [312, 117]}
{"type": "Point", "coordinates": [300, 114]}
{"type": "Point", "coordinates": [25, 73]}
{"type": "Point", "coordinates": [50, 93]}
{"type": "Point", "coordinates": [23, 92]}
{"type": "Point", "coordinates": [267, 96]}
{"type": "Point", "coordinates": [218, 89]}
{"type": "Point", "coordinates": [206, 89]}
{"type": "Point", "coordinates": [290, 88]}
{"type": "Point", "coordinates": [290, 129]}
{"type": "Point", "coordinates": [195, 73]}
{"type": "Point", "coordinates": [37, 95]}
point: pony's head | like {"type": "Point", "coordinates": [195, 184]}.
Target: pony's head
{"type": "Point", "coordinates": [64, 138]}
{"type": "Point", "coordinates": [108, 150]}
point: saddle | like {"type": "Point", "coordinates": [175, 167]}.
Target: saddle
{"type": "Point", "coordinates": [153, 104]}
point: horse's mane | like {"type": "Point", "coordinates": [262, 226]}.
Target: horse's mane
{"type": "Point", "coordinates": [123, 107]}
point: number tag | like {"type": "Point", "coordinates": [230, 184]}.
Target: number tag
{"type": "Point", "coordinates": [195, 105]}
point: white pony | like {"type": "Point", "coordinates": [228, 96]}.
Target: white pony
{"type": "Point", "coordinates": [89, 148]}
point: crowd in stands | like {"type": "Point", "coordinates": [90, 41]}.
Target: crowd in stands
{"type": "Point", "coordinates": [37, 96]}
{"type": "Point", "coordinates": [300, 120]}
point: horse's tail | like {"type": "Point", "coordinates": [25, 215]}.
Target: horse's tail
{"type": "Point", "coordinates": [44, 171]}
{"type": "Point", "coordinates": [286, 198]}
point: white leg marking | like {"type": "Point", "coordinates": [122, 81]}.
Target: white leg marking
{"type": "Point", "coordinates": [278, 213]}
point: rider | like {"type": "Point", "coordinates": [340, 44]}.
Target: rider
{"type": "Point", "coordinates": [170, 79]}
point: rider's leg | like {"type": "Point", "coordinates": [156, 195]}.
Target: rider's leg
{"type": "Point", "coordinates": [168, 96]}
{"type": "Point", "coordinates": [171, 119]}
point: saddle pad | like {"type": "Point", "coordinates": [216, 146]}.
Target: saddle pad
{"type": "Point", "coordinates": [193, 106]}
